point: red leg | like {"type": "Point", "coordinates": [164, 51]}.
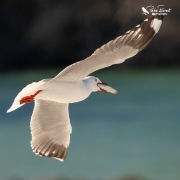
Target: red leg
{"type": "Point", "coordinates": [28, 99]}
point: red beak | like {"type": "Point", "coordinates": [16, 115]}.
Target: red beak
{"type": "Point", "coordinates": [102, 90]}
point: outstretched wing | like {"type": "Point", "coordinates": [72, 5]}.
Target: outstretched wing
{"type": "Point", "coordinates": [50, 129]}
{"type": "Point", "coordinates": [115, 51]}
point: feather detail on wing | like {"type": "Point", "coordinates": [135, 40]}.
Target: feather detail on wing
{"type": "Point", "coordinates": [50, 129]}
{"type": "Point", "coordinates": [115, 51]}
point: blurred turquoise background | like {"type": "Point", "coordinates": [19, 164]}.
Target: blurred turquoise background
{"type": "Point", "coordinates": [134, 133]}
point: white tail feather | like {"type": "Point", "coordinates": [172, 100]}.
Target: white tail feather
{"type": "Point", "coordinates": [27, 91]}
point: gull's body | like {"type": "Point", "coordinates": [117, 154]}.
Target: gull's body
{"type": "Point", "coordinates": [50, 123]}
{"type": "Point", "coordinates": [63, 91]}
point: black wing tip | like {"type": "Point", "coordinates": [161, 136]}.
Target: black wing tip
{"type": "Point", "coordinates": [159, 17]}
{"type": "Point", "coordinates": [153, 17]}
{"type": "Point", "coordinates": [146, 31]}
{"type": "Point", "coordinates": [56, 151]}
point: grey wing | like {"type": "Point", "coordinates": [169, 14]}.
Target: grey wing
{"type": "Point", "coordinates": [115, 51]}
{"type": "Point", "coordinates": [50, 129]}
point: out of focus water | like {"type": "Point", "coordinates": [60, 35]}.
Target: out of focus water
{"type": "Point", "coordinates": [136, 132]}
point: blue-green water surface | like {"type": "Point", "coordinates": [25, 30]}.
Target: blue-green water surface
{"type": "Point", "coordinates": [136, 132]}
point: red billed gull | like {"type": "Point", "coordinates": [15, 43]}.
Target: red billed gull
{"type": "Point", "coordinates": [50, 123]}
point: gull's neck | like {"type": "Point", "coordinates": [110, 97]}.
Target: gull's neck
{"type": "Point", "coordinates": [91, 83]}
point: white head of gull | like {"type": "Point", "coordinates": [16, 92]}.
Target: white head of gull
{"type": "Point", "coordinates": [50, 123]}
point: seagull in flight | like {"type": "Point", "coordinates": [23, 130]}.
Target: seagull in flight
{"type": "Point", "coordinates": [50, 122]}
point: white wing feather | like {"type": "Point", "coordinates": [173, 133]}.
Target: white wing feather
{"type": "Point", "coordinates": [50, 129]}
{"type": "Point", "coordinates": [115, 51]}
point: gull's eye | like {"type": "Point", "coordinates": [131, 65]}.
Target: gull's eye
{"type": "Point", "coordinates": [96, 80]}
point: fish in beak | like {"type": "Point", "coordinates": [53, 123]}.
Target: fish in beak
{"type": "Point", "coordinates": [105, 88]}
